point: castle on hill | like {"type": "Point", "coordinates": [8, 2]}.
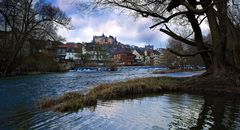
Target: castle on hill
{"type": "Point", "coordinates": [104, 40]}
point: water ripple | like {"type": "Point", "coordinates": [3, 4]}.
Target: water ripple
{"type": "Point", "coordinates": [19, 95]}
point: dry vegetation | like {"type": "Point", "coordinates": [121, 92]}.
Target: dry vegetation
{"type": "Point", "coordinates": [69, 102]}
{"type": "Point", "coordinates": [139, 87]}
{"type": "Point", "coordinates": [175, 71]}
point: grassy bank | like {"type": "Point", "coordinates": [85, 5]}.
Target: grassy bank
{"type": "Point", "coordinates": [175, 70]}
{"type": "Point", "coordinates": [139, 87]}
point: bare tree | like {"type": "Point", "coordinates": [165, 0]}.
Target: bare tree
{"type": "Point", "coordinates": [222, 56]}
{"type": "Point", "coordinates": [24, 20]}
{"type": "Point", "coordinates": [185, 61]}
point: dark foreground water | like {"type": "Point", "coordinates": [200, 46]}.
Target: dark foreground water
{"type": "Point", "coordinates": [19, 97]}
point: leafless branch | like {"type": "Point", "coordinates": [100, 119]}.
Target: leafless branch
{"type": "Point", "coordinates": [168, 18]}
{"type": "Point", "coordinates": [169, 32]}
{"type": "Point", "coordinates": [194, 10]}
{"type": "Point", "coordinates": [188, 55]}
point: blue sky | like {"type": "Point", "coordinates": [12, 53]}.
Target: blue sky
{"type": "Point", "coordinates": [127, 29]}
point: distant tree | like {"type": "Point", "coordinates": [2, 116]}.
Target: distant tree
{"type": "Point", "coordinates": [170, 60]}
{"type": "Point", "coordinates": [174, 61]}
{"type": "Point", "coordinates": [85, 58]}
{"type": "Point", "coordinates": [23, 20]}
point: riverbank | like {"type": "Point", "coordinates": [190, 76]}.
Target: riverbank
{"type": "Point", "coordinates": [167, 71]}
{"type": "Point", "coordinates": [30, 73]}
{"type": "Point", "coordinates": [141, 87]}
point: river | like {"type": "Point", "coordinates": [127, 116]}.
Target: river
{"type": "Point", "coordinates": [19, 98]}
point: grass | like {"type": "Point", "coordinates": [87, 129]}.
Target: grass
{"type": "Point", "coordinates": [174, 71]}
{"type": "Point", "coordinates": [134, 87]}
{"type": "Point", "coordinates": [138, 87]}
{"type": "Point", "coordinates": [73, 101]}
{"type": "Point", "coordinates": [69, 102]}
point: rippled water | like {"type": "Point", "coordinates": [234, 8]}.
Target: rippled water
{"type": "Point", "coordinates": [19, 95]}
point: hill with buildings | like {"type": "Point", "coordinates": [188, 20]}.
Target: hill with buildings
{"type": "Point", "coordinates": [107, 49]}
{"type": "Point", "coordinates": [46, 55]}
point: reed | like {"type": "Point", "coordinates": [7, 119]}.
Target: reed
{"type": "Point", "coordinates": [73, 101]}
{"type": "Point", "coordinates": [141, 87]}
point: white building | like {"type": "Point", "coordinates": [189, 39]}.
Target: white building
{"type": "Point", "coordinates": [139, 56]}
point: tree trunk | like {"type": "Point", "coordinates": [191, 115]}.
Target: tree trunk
{"type": "Point", "coordinates": [199, 39]}
{"type": "Point", "coordinates": [225, 40]}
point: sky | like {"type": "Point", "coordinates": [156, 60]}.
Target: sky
{"type": "Point", "coordinates": [127, 29]}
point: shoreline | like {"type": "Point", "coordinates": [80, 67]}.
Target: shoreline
{"type": "Point", "coordinates": [14, 74]}
{"type": "Point", "coordinates": [168, 71]}
{"type": "Point", "coordinates": [142, 87]}
{"type": "Point", "coordinates": [31, 73]}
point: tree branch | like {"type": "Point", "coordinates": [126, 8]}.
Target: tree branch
{"type": "Point", "coordinates": [6, 18]}
{"type": "Point", "coordinates": [177, 37]}
{"type": "Point", "coordinates": [194, 10]}
{"type": "Point", "coordinates": [168, 18]}
{"type": "Point", "coordinates": [198, 24]}
{"type": "Point", "coordinates": [187, 55]}
{"type": "Point", "coordinates": [142, 12]}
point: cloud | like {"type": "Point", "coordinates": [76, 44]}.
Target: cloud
{"type": "Point", "coordinates": [127, 29]}
{"type": "Point", "coordinates": [66, 5]}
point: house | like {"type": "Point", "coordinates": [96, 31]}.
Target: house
{"type": "Point", "coordinates": [139, 56]}
{"type": "Point", "coordinates": [147, 57]}
{"type": "Point", "coordinates": [156, 57]}
{"type": "Point", "coordinates": [152, 57]}
{"type": "Point", "coordinates": [69, 51]}
{"type": "Point", "coordinates": [123, 56]}
{"type": "Point", "coordinates": [163, 59]}
{"type": "Point", "coordinates": [71, 54]}
{"type": "Point", "coordinates": [61, 52]}
{"type": "Point", "coordinates": [97, 53]}
{"type": "Point", "coordinates": [44, 46]}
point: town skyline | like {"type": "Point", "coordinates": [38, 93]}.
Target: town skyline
{"type": "Point", "coordinates": [90, 41]}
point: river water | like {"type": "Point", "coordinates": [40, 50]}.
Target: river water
{"type": "Point", "coordinates": [19, 98]}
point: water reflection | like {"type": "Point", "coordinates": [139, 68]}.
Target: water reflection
{"type": "Point", "coordinates": [219, 113]}
{"type": "Point", "coordinates": [168, 111]}
{"type": "Point", "coordinates": [18, 96]}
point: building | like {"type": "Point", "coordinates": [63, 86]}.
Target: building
{"type": "Point", "coordinates": [97, 53]}
{"type": "Point", "coordinates": [69, 51]}
{"type": "Point", "coordinates": [61, 52]}
{"type": "Point", "coordinates": [103, 40]}
{"type": "Point", "coordinates": [156, 57]}
{"type": "Point", "coordinates": [163, 60]}
{"type": "Point", "coordinates": [123, 56]}
{"type": "Point", "coordinates": [149, 47]}
{"type": "Point", "coordinates": [139, 56]}
{"type": "Point", "coordinates": [71, 54]}
{"type": "Point", "coordinates": [148, 57]}
{"type": "Point", "coordinates": [161, 50]}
